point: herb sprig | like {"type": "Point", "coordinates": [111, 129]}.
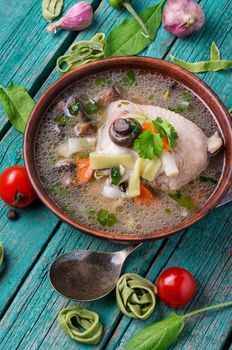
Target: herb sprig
{"type": "Point", "coordinates": [150, 144]}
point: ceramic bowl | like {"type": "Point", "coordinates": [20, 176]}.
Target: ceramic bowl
{"type": "Point", "coordinates": [187, 79]}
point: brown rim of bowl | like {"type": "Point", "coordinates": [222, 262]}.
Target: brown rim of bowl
{"type": "Point", "coordinates": [187, 79]}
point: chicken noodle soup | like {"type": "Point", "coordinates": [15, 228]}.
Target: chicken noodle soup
{"type": "Point", "coordinates": [128, 151]}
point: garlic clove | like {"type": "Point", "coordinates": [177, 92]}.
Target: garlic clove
{"type": "Point", "coordinates": [78, 17]}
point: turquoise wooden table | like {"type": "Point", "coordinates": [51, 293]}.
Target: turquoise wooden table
{"type": "Point", "coordinates": [28, 305]}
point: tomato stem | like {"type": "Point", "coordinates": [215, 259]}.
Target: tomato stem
{"type": "Point", "coordinates": [228, 303]}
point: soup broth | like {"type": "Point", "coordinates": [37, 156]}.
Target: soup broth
{"type": "Point", "coordinates": [85, 202]}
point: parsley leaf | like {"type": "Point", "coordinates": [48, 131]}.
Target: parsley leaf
{"type": "Point", "coordinates": [211, 180]}
{"type": "Point", "coordinates": [148, 145]}
{"type": "Point", "coordinates": [61, 120]}
{"type": "Point", "coordinates": [184, 201]}
{"type": "Point", "coordinates": [105, 218]}
{"type": "Point", "coordinates": [166, 129]}
{"type": "Point", "coordinates": [115, 175]}
{"type": "Point", "coordinates": [129, 78]}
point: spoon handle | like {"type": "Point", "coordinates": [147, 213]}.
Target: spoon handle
{"type": "Point", "coordinates": [129, 250]}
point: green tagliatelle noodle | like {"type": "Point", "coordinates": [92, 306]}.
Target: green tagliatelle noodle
{"type": "Point", "coordinates": [82, 52]}
{"type": "Point", "coordinates": [51, 9]}
{"type": "Point", "coordinates": [213, 65]}
{"type": "Point", "coordinates": [75, 318]}
{"type": "Point", "coordinates": [135, 296]}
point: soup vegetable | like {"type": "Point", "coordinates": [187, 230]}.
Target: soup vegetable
{"type": "Point", "coordinates": [128, 151]}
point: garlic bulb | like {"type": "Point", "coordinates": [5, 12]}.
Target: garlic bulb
{"type": "Point", "coordinates": [78, 17]}
{"type": "Point", "coordinates": [182, 17]}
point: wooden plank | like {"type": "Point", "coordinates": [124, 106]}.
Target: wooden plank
{"type": "Point", "coordinates": [10, 153]}
{"type": "Point", "coordinates": [218, 28]}
{"type": "Point", "coordinates": [203, 250]}
{"type": "Point", "coordinates": [28, 53]}
{"type": "Point", "coordinates": [57, 340]}
{"type": "Point", "coordinates": [34, 309]}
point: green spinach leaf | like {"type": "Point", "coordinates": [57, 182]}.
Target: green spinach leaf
{"type": "Point", "coordinates": [18, 105]}
{"type": "Point", "coordinates": [127, 38]}
{"type": "Point", "coordinates": [158, 336]}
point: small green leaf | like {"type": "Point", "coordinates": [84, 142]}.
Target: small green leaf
{"type": "Point", "coordinates": [105, 218]}
{"type": "Point", "coordinates": [61, 120]}
{"type": "Point", "coordinates": [148, 145]}
{"type": "Point", "coordinates": [186, 96]}
{"type": "Point", "coordinates": [151, 97]}
{"type": "Point", "coordinates": [211, 180]}
{"type": "Point", "coordinates": [128, 39]}
{"type": "Point", "coordinates": [102, 82]}
{"type": "Point", "coordinates": [166, 129]}
{"type": "Point", "coordinates": [184, 201]}
{"type": "Point", "coordinates": [116, 176]}
{"type": "Point", "coordinates": [18, 105]}
{"type": "Point", "coordinates": [167, 210]}
{"type": "Point", "coordinates": [1, 253]}
{"type": "Point", "coordinates": [158, 336]}
{"type": "Point", "coordinates": [74, 108]}
{"type": "Point", "coordinates": [129, 78]}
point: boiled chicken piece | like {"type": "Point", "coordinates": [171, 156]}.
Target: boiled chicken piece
{"type": "Point", "coordinates": [190, 154]}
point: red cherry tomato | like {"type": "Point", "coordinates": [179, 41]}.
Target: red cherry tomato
{"type": "Point", "coordinates": [176, 286]}
{"type": "Point", "coordinates": [15, 187]}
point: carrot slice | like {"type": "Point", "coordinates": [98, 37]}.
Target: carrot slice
{"type": "Point", "coordinates": [145, 198]}
{"type": "Point", "coordinates": [148, 126]}
{"type": "Point", "coordinates": [166, 143]}
{"type": "Point", "coordinates": [84, 171]}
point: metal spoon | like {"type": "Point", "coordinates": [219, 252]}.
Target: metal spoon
{"type": "Point", "coordinates": [85, 275]}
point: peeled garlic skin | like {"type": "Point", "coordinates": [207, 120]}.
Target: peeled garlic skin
{"type": "Point", "coordinates": [78, 17]}
{"type": "Point", "coordinates": [182, 17]}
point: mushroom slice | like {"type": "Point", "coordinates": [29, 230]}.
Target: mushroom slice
{"type": "Point", "coordinates": [112, 94]}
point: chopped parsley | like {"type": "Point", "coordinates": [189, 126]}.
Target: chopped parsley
{"type": "Point", "coordinates": [151, 97]}
{"type": "Point", "coordinates": [61, 120]}
{"type": "Point", "coordinates": [187, 96]}
{"type": "Point", "coordinates": [102, 82]}
{"type": "Point", "coordinates": [116, 176]}
{"type": "Point", "coordinates": [74, 108]}
{"type": "Point", "coordinates": [123, 103]}
{"type": "Point", "coordinates": [185, 105]}
{"type": "Point", "coordinates": [59, 189]}
{"type": "Point", "coordinates": [167, 210]}
{"type": "Point", "coordinates": [129, 78]}
{"type": "Point", "coordinates": [211, 180]}
{"type": "Point", "coordinates": [92, 106]}
{"type": "Point", "coordinates": [184, 201]}
{"type": "Point", "coordinates": [105, 218]}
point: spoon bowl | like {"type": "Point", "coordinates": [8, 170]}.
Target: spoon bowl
{"type": "Point", "coordinates": [87, 275]}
